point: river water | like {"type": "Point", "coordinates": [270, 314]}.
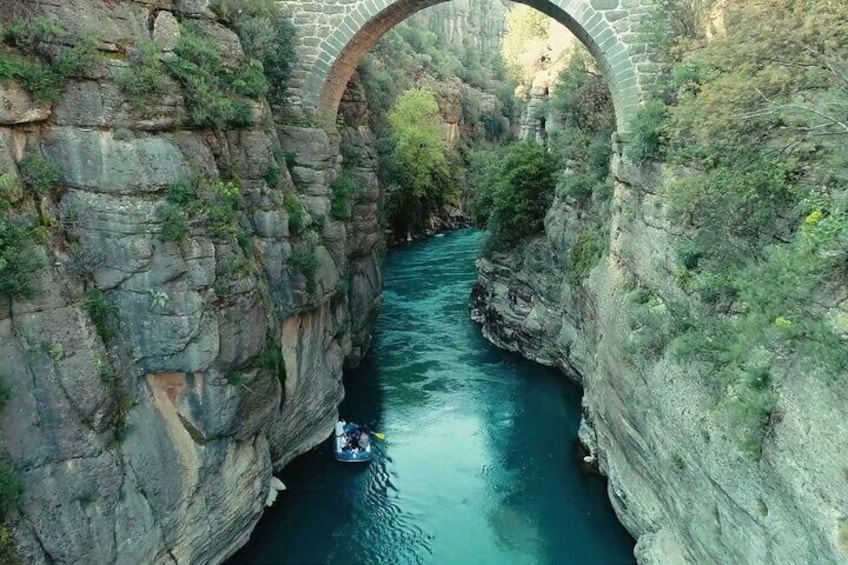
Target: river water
{"type": "Point", "coordinates": [479, 465]}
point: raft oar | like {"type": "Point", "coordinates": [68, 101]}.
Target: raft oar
{"type": "Point", "coordinates": [377, 435]}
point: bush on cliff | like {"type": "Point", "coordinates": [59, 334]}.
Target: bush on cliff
{"type": "Point", "coordinates": [344, 190]}
{"type": "Point", "coordinates": [267, 37]}
{"type": "Point", "coordinates": [755, 117]}
{"type": "Point", "coordinates": [48, 60]}
{"type": "Point", "coordinates": [217, 96]}
{"type": "Point", "coordinates": [145, 79]}
{"type": "Point", "coordinates": [19, 260]}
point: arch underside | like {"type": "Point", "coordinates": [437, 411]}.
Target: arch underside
{"type": "Point", "coordinates": [340, 53]}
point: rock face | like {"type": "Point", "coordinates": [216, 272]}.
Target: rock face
{"type": "Point", "coordinates": [472, 25]}
{"type": "Point", "coordinates": [678, 478]}
{"type": "Point", "coordinates": [157, 443]}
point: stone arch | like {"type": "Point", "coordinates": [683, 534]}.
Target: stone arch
{"type": "Point", "coordinates": [345, 30]}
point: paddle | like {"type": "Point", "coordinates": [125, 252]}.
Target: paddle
{"type": "Point", "coordinates": [378, 435]}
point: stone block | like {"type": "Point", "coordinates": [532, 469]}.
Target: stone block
{"type": "Point", "coordinates": [18, 107]}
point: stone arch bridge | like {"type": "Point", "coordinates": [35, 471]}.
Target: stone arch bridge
{"type": "Point", "coordinates": [333, 35]}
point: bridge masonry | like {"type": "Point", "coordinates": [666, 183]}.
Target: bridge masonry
{"type": "Point", "coordinates": [333, 35]}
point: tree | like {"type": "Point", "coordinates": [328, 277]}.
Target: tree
{"type": "Point", "coordinates": [523, 193]}
{"type": "Point", "coordinates": [422, 178]}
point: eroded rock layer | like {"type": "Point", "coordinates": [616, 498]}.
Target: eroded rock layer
{"type": "Point", "coordinates": [154, 440]}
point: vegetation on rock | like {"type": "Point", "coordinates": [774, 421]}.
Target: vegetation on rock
{"type": "Point", "coordinates": [515, 187]}
{"type": "Point", "coordinates": [19, 259]}
{"type": "Point", "coordinates": [755, 118]}
{"type": "Point", "coordinates": [515, 191]}
{"type": "Point", "coordinates": [217, 95]}
{"type": "Point", "coordinates": [421, 171]}
{"type": "Point", "coordinates": [33, 53]}
{"type": "Point", "coordinates": [212, 206]}
{"type": "Point", "coordinates": [145, 79]}
{"type": "Point", "coordinates": [266, 35]}
{"type": "Point", "coordinates": [343, 191]}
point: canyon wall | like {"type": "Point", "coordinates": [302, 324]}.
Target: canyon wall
{"type": "Point", "coordinates": [678, 478]}
{"type": "Point", "coordinates": [156, 385]}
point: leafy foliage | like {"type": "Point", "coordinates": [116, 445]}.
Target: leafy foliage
{"type": "Point", "coordinates": [756, 118]}
{"type": "Point", "coordinates": [513, 189]}
{"type": "Point", "coordinates": [33, 35]}
{"type": "Point", "coordinates": [271, 359]}
{"type": "Point", "coordinates": [519, 189]}
{"type": "Point", "coordinates": [19, 260]}
{"type": "Point", "coordinates": [100, 310]}
{"type": "Point", "coordinates": [297, 214]}
{"type": "Point", "coordinates": [40, 176]}
{"type": "Point", "coordinates": [11, 487]}
{"type": "Point", "coordinates": [421, 172]}
{"type": "Point", "coordinates": [267, 37]}
{"type": "Point", "coordinates": [40, 80]}
{"type": "Point", "coordinates": [145, 79]}
{"type": "Point", "coordinates": [344, 189]}
{"type": "Point", "coordinates": [211, 205]}
{"type": "Point", "coordinates": [305, 260]}
{"type": "Point", "coordinates": [217, 96]}
{"type": "Point", "coordinates": [77, 61]}
{"type": "Point", "coordinates": [48, 61]}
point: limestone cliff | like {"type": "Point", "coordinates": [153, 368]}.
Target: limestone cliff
{"type": "Point", "coordinates": [470, 25]}
{"type": "Point", "coordinates": [678, 478]}
{"type": "Point", "coordinates": [150, 434]}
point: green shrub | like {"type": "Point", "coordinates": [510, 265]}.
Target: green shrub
{"type": "Point", "coordinates": [8, 551]}
{"type": "Point", "coordinates": [234, 268]}
{"type": "Point", "coordinates": [297, 215]}
{"type": "Point", "coordinates": [752, 411]}
{"type": "Point", "coordinates": [100, 310]}
{"type": "Point", "coordinates": [45, 39]}
{"type": "Point", "coordinates": [41, 81]}
{"type": "Point", "coordinates": [5, 393]}
{"type": "Point", "coordinates": [144, 80]}
{"type": "Point", "coordinates": [652, 323]}
{"type": "Point", "coordinates": [271, 359]}
{"type": "Point", "coordinates": [215, 95]}
{"type": "Point", "coordinates": [11, 487]}
{"type": "Point", "coordinates": [19, 260]}
{"type": "Point", "coordinates": [586, 252]}
{"type": "Point", "coordinates": [124, 404]}
{"type": "Point", "coordinates": [646, 144]}
{"type": "Point", "coordinates": [175, 224]}
{"type": "Point", "coordinates": [214, 206]}
{"type": "Point", "coordinates": [290, 159]}
{"type": "Point", "coordinates": [33, 36]}
{"type": "Point", "coordinates": [235, 378]}
{"type": "Point", "coordinates": [306, 261]}
{"type": "Point", "coordinates": [223, 200]}
{"type": "Point", "coordinates": [267, 37]}
{"type": "Point", "coordinates": [78, 61]}
{"type": "Point", "coordinates": [422, 172]}
{"type": "Point", "coordinates": [109, 374]}
{"type": "Point", "coordinates": [273, 175]}
{"type": "Point", "coordinates": [523, 193]}
{"type": "Point", "coordinates": [180, 205]}
{"type": "Point", "coordinates": [40, 176]}
{"type": "Point", "coordinates": [344, 189]}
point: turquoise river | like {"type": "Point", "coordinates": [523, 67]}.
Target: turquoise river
{"type": "Point", "coordinates": [480, 463]}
